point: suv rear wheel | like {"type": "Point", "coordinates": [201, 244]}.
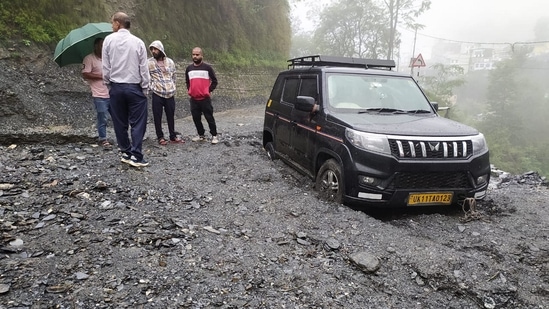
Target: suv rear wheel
{"type": "Point", "coordinates": [329, 182]}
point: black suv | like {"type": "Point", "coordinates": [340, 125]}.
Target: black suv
{"type": "Point", "coordinates": [368, 135]}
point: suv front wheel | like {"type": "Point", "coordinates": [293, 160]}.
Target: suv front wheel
{"type": "Point", "coordinates": [329, 182]}
{"type": "Point", "coordinates": [270, 151]}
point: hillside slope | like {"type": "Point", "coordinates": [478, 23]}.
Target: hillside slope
{"type": "Point", "coordinates": [242, 30]}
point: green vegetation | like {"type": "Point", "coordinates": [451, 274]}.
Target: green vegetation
{"type": "Point", "coordinates": [440, 86]}
{"type": "Point", "coordinates": [518, 108]}
{"type": "Point", "coordinates": [239, 33]}
{"type": "Point", "coordinates": [45, 21]}
{"type": "Point", "coordinates": [232, 33]}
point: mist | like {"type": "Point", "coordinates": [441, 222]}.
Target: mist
{"type": "Point", "coordinates": [485, 20]}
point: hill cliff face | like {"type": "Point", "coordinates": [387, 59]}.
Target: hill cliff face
{"type": "Point", "coordinates": [243, 30]}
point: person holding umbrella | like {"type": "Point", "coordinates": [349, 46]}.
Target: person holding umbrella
{"type": "Point", "coordinates": [126, 73]}
{"type": "Point", "coordinates": [92, 72]}
{"type": "Point", "coordinates": [75, 48]}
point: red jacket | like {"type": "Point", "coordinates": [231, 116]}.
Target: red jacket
{"type": "Point", "coordinates": [200, 80]}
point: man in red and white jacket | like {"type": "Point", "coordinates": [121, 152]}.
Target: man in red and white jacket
{"type": "Point", "coordinates": [201, 81]}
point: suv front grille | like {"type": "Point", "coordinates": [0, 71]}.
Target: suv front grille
{"type": "Point", "coordinates": [432, 180]}
{"type": "Point", "coordinates": [414, 149]}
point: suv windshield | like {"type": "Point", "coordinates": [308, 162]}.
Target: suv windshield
{"type": "Point", "coordinates": [375, 94]}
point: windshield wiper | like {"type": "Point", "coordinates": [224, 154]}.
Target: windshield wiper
{"type": "Point", "coordinates": [419, 111]}
{"type": "Point", "coordinates": [382, 110]}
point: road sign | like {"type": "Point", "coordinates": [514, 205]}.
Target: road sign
{"type": "Point", "coordinates": [418, 62]}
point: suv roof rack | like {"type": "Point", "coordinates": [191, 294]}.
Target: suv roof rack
{"type": "Point", "coordinates": [320, 60]}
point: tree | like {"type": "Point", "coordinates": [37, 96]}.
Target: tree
{"type": "Point", "coordinates": [440, 86]}
{"type": "Point", "coordinates": [503, 124]}
{"type": "Point", "coordinates": [362, 28]}
{"type": "Point", "coordinates": [402, 11]}
{"type": "Point", "coordinates": [352, 29]}
{"type": "Point", "coordinates": [541, 29]}
{"type": "Point", "coordinates": [302, 44]}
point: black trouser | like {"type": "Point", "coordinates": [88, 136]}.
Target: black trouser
{"type": "Point", "coordinates": [199, 107]}
{"type": "Point", "coordinates": [160, 104]}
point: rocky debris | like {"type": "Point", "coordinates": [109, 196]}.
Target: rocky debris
{"type": "Point", "coordinates": [365, 261]}
{"type": "Point", "coordinates": [221, 226]}
{"type": "Point", "coordinates": [501, 178]}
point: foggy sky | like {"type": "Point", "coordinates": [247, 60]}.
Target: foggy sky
{"type": "Point", "coordinates": [481, 21]}
{"type": "Point", "coordinates": [484, 20]}
{"type": "Point", "coordinates": [466, 20]}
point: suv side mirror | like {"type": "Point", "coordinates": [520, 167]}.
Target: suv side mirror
{"type": "Point", "coordinates": [305, 103]}
{"type": "Point", "coordinates": [438, 108]}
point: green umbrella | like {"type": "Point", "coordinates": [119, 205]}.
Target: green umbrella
{"type": "Point", "coordinates": [79, 43]}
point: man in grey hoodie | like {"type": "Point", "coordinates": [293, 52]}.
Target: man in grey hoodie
{"type": "Point", "coordinates": [162, 72]}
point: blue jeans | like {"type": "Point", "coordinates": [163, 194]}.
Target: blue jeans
{"type": "Point", "coordinates": [102, 106]}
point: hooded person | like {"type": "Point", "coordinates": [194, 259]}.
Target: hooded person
{"type": "Point", "coordinates": [162, 71]}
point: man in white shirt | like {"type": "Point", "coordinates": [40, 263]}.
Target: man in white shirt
{"type": "Point", "coordinates": [126, 73]}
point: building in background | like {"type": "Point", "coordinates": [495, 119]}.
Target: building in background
{"type": "Point", "coordinates": [470, 56]}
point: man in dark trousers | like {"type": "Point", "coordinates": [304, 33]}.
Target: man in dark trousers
{"type": "Point", "coordinates": [201, 81]}
{"type": "Point", "coordinates": [126, 73]}
{"type": "Point", "coordinates": [163, 89]}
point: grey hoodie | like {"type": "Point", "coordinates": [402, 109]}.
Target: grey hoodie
{"type": "Point", "coordinates": [162, 79]}
{"type": "Point", "coordinates": [158, 45]}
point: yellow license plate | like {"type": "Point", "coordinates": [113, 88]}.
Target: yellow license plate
{"type": "Point", "coordinates": [421, 199]}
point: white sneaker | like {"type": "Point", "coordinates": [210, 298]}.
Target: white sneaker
{"type": "Point", "coordinates": [125, 158]}
{"type": "Point", "coordinates": [215, 140]}
{"type": "Point", "coordinates": [199, 138]}
{"type": "Point", "coordinates": [136, 163]}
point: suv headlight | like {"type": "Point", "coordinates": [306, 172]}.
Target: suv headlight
{"type": "Point", "coordinates": [479, 144]}
{"type": "Point", "coordinates": [368, 141]}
